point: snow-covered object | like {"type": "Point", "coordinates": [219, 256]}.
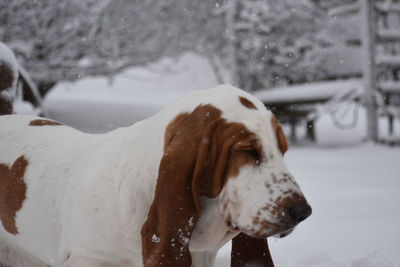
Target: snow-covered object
{"type": "Point", "coordinates": [96, 104]}
{"type": "Point", "coordinates": [388, 60]}
{"type": "Point", "coordinates": [307, 92]}
{"type": "Point", "coordinates": [338, 61]}
{"type": "Point", "coordinates": [390, 86]}
{"type": "Point", "coordinates": [389, 34]}
{"type": "Point", "coordinates": [8, 71]}
{"type": "Point", "coordinates": [344, 9]}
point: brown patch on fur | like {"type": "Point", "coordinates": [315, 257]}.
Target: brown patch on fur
{"type": "Point", "coordinates": [250, 251]}
{"type": "Point", "coordinates": [201, 151]}
{"type": "Point", "coordinates": [247, 103]}
{"type": "Point", "coordinates": [6, 76]}
{"type": "Point", "coordinates": [6, 81]}
{"type": "Point", "coordinates": [6, 106]}
{"type": "Point", "coordinates": [43, 122]}
{"type": "Point", "coordinates": [12, 192]}
{"type": "Point", "coordinates": [280, 136]}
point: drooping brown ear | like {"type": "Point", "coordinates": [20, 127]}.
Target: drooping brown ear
{"type": "Point", "coordinates": [249, 251]}
{"type": "Point", "coordinates": [280, 135]}
{"type": "Point", "coordinates": [196, 150]}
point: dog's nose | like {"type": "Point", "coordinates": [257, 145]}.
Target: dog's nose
{"type": "Point", "coordinates": [300, 212]}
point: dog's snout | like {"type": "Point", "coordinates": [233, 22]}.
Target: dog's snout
{"type": "Point", "coordinates": [300, 212]}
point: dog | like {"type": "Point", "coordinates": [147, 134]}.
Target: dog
{"type": "Point", "coordinates": [167, 191]}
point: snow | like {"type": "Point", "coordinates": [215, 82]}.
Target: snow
{"type": "Point", "coordinates": [307, 92]}
{"type": "Point", "coordinates": [99, 104]}
{"type": "Point", "coordinates": [354, 195]}
{"type": "Point", "coordinates": [155, 239]}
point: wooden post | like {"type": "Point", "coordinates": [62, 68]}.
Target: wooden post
{"type": "Point", "coordinates": [367, 20]}
{"type": "Point", "coordinates": [310, 130]}
{"type": "Point", "coordinates": [293, 135]}
{"type": "Point", "coordinates": [391, 125]}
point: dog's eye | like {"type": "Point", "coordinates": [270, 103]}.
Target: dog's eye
{"type": "Point", "coordinates": [255, 155]}
{"type": "Point", "coordinates": [252, 152]}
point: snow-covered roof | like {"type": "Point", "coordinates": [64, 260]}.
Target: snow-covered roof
{"type": "Point", "coordinates": [317, 91]}
{"type": "Point", "coordinates": [390, 86]}
{"type": "Point", "coordinates": [344, 9]}
{"type": "Point", "coordinates": [389, 34]}
{"type": "Point", "coordinates": [389, 60]}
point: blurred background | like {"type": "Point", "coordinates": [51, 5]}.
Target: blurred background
{"type": "Point", "coordinates": [328, 69]}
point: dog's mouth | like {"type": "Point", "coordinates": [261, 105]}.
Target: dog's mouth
{"type": "Point", "coordinates": [275, 230]}
{"type": "Point", "coordinates": [284, 233]}
{"type": "Point", "coordinates": [232, 226]}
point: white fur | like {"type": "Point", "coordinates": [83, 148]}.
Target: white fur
{"type": "Point", "coordinates": [88, 195]}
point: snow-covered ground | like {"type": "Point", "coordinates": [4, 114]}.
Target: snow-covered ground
{"type": "Point", "coordinates": [353, 186]}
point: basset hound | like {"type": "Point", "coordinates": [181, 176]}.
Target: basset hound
{"type": "Point", "coordinates": [167, 191]}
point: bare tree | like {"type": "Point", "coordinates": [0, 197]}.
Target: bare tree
{"type": "Point", "coordinates": [70, 39]}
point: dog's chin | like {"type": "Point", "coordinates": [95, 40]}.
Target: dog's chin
{"type": "Point", "coordinates": [233, 227]}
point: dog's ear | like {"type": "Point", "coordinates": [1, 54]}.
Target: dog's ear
{"type": "Point", "coordinates": [193, 164]}
{"type": "Point", "coordinates": [249, 251]}
{"type": "Point", "coordinates": [280, 135]}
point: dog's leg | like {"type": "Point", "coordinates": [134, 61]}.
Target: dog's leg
{"type": "Point", "coordinates": [247, 250]}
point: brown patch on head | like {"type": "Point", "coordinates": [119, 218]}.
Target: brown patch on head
{"type": "Point", "coordinates": [6, 76]}
{"type": "Point", "coordinates": [43, 122]}
{"type": "Point", "coordinates": [280, 135]}
{"type": "Point", "coordinates": [247, 103]}
{"type": "Point", "coordinates": [12, 192]}
{"type": "Point", "coordinates": [201, 151]}
{"type": "Point", "coordinates": [250, 251]}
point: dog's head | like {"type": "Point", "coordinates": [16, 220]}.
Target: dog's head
{"type": "Point", "coordinates": [228, 147]}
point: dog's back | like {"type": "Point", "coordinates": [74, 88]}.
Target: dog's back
{"type": "Point", "coordinates": [31, 171]}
